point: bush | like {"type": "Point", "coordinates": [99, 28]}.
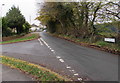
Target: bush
{"type": "Point", "coordinates": [15, 19]}
{"type": "Point", "coordinates": [6, 32]}
{"type": "Point", "coordinates": [26, 27]}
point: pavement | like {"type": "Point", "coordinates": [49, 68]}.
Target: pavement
{"type": "Point", "coordinates": [66, 58]}
{"type": "Point", "coordinates": [9, 74]}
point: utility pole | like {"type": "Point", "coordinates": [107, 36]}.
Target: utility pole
{"type": "Point", "coordinates": [1, 23]}
{"type": "Point", "coordinates": [118, 12]}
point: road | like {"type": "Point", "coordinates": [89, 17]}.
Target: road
{"type": "Point", "coordinates": [66, 58]}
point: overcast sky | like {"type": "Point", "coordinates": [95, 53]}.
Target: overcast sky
{"type": "Point", "coordinates": [28, 8]}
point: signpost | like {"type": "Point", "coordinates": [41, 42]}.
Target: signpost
{"type": "Point", "coordinates": [109, 40]}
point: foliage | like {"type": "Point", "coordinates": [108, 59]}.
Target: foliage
{"type": "Point", "coordinates": [14, 22]}
{"type": "Point", "coordinates": [26, 27]}
{"type": "Point", "coordinates": [72, 17]}
{"type": "Point", "coordinates": [81, 19]}
{"type": "Point", "coordinates": [57, 14]}
{"type": "Point", "coordinates": [15, 19]}
{"type": "Point", "coordinates": [108, 45]}
{"type": "Point", "coordinates": [30, 37]}
{"type": "Point", "coordinates": [102, 43]}
{"type": "Point", "coordinates": [6, 31]}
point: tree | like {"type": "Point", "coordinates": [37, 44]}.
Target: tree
{"type": "Point", "coordinates": [55, 13]}
{"type": "Point", "coordinates": [26, 27]}
{"type": "Point", "coordinates": [113, 13]}
{"type": "Point", "coordinates": [6, 31]}
{"type": "Point", "coordinates": [78, 18]}
{"type": "Point", "coordinates": [15, 19]}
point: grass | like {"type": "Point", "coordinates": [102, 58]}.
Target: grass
{"type": "Point", "coordinates": [108, 45]}
{"type": "Point", "coordinates": [112, 46]}
{"type": "Point", "coordinates": [107, 34]}
{"type": "Point", "coordinates": [30, 37]}
{"type": "Point", "coordinates": [40, 73]}
{"type": "Point", "coordinates": [102, 43]}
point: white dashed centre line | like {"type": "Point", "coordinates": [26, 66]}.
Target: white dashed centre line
{"type": "Point", "coordinates": [68, 67]}
{"type": "Point", "coordinates": [48, 46]}
{"type": "Point", "coordinates": [72, 70]}
{"type": "Point", "coordinates": [76, 74]}
{"type": "Point", "coordinates": [61, 60]}
{"type": "Point", "coordinates": [52, 50]}
{"type": "Point", "coordinates": [80, 79]}
{"type": "Point", "coordinates": [58, 57]}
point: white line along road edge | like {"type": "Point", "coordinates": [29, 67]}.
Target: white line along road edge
{"type": "Point", "coordinates": [40, 42]}
{"type": "Point", "coordinates": [47, 45]}
{"type": "Point", "coordinates": [44, 42]}
{"type": "Point", "coordinates": [60, 59]}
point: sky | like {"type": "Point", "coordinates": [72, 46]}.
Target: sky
{"type": "Point", "coordinates": [28, 8]}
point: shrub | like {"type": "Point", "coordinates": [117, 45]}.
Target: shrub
{"type": "Point", "coordinates": [26, 27]}
{"type": "Point", "coordinates": [7, 32]}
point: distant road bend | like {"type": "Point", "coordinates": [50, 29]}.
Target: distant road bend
{"type": "Point", "coordinates": [88, 62]}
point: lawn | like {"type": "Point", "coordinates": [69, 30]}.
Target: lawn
{"type": "Point", "coordinates": [108, 47]}
{"type": "Point", "coordinates": [21, 39]}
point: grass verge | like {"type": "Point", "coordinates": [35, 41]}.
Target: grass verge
{"type": "Point", "coordinates": [100, 45]}
{"type": "Point", "coordinates": [107, 45]}
{"type": "Point", "coordinates": [23, 38]}
{"type": "Point", "coordinates": [38, 72]}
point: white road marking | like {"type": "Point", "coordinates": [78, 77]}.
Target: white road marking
{"type": "Point", "coordinates": [68, 67]}
{"type": "Point", "coordinates": [40, 42]}
{"type": "Point", "coordinates": [72, 70]}
{"type": "Point", "coordinates": [52, 50]}
{"type": "Point", "coordinates": [61, 60]}
{"type": "Point", "coordinates": [48, 46]}
{"type": "Point", "coordinates": [76, 74]}
{"type": "Point", "coordinates": [80, 79]}
{"type": "Point", "coordinates": [44, 42]}
{"type": "Point", "coordinates": [58, 57]}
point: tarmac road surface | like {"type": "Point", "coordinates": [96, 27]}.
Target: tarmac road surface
{"type": "Point", "coordinates": [63, 56]}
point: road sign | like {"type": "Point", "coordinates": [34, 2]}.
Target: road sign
{"type": "Point", "coordinates": [109, 39]}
